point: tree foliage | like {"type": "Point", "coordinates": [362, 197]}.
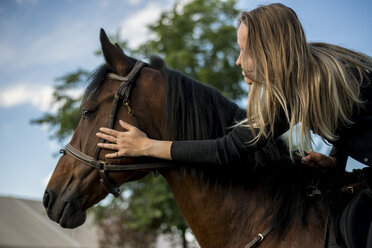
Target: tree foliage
{"type": "Point", "coordinates": [199, 39]}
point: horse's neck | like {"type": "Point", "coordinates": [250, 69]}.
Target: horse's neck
{"type": "Point", "coordinates": [222, 216]}
{"type": "Point", "coordinates": [219, 216]}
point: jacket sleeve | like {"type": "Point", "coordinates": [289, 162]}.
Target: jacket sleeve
{"type": "Point", "coordinates": [341, 157]}
{"type": "Point", "coordinates": [222, 151]}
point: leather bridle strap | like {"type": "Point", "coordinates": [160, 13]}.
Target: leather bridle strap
{"type": "Point", "coordinates": [256, 241]}
{"type": "Point", "coordinates": [123, 93]}
{"type": "Point", "coordinates": [104, 167]}
{"type": "Point", "coordinates": [99, 164]}
{"type": "Point", "coordinates": [82, 157]}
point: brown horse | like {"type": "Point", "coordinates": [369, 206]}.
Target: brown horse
{"type": "Point", "coordinates": [225, 206]}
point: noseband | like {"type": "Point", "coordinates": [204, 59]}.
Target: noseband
{"type": "Point", "coordinates": [123, 93]}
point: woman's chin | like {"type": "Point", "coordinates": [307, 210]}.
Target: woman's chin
{"type": "Point", "coordinates": [248, 81]}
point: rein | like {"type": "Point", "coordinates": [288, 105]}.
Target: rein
{"type": "Point", "coordinates": [256, 241]}
{"type": "Point", "coordinates": [123, 93]}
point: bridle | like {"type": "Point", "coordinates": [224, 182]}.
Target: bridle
{"type": "Point", "coordinates": [123, 93]}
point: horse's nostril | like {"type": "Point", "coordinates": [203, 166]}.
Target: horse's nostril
{"type": "Point", "coordinates": [46, 199]}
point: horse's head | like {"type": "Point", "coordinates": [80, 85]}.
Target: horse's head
{"type": "Point", "coordinates": [75, 186]}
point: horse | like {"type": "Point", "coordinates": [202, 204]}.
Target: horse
{"type": "Point", "coordinates": [263, 195]}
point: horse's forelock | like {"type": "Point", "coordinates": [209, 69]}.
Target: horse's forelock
{"type": "Point", "coordinates": [95, 82]}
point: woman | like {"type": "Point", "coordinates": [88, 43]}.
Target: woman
{"type": "Point", "coordinates": [324, 87]}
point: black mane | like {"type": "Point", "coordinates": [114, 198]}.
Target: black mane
{"type": "Point", "coordinates": [197, 111]}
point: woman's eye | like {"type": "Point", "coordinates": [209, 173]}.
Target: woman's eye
{"type": "Point", "coordinates": [87, 113]}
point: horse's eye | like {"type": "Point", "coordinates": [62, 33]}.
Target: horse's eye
{"type": "Point", "coordinates": [87, 113]}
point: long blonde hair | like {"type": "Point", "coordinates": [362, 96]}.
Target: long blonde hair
{"type": "Point", "coordinates": [315, 84]}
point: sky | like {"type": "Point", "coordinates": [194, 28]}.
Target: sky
{"type": "Point", "coordinates": [41, 40]}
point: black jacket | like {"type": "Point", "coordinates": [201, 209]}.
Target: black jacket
{"type": "Point", "coordinates": [354, 141]}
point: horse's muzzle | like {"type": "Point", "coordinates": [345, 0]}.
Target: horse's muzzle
{"type": "Point", "coordinates": [64, 212]}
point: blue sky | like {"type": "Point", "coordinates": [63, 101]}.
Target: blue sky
{"type": "Point", "coordinates": [41, 40]}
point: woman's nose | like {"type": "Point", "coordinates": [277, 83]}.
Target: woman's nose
{"type": "Point", "coordinates": [238, 62]}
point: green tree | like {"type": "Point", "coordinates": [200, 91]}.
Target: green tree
{"type": "Point", "coordinates": [198, 39]}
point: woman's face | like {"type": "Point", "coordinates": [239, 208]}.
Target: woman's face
{"type": "Point", "coordinates": [242, 39]}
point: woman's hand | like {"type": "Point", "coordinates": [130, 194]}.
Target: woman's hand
{"type": "Point", "coordinates": [132, 143]}
{"type": "Point", "coordinates": [319, 161]}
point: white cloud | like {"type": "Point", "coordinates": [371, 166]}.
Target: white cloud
{"type": "Point", "coordinates": [134, 28]}
{"type": "Point", "coordinates": [39, 97]}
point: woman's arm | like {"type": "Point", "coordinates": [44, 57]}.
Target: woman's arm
{"type": "Point", "coordinates": [221, 151]}
{"type": "Point", "coordinates": [135, 143]}
{"type": "Point", "coordinates": [227, 149]}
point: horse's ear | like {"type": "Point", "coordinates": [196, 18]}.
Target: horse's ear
{"type": "Point", "coordinates": [114, 56]}
{"type": "Point", "coordinates": [117, 45]}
